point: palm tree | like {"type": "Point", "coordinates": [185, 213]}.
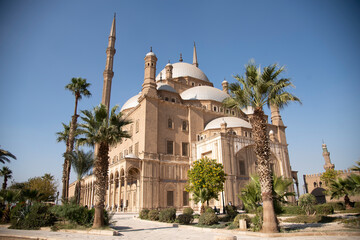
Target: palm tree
{"type": "Point", "coordinates": [4, 156]}
{"type": "Point", "coordinates": [78, 87]}
{"type": "Point", "coordinates": [7, 174]}
{"type": "Point", "coordinates": [356, 168]}
{"type": "Point", "coordinates": [203, 195]}
{"type": "Point", "coordinates": [256, 89]}
{"type": "Point", "coordinates": [8, 197]}
{"type": "Point", "coordinates": [341, 187]}
{"type": "Point", "coordinates": [81, 162]}
{"type": "Point", "coordinates": [103, 132]}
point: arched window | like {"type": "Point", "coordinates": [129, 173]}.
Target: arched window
{"type": "Point", "coordinates": [315, 184]}
{"type": "Point", "coordinates": [170, 123]}
{"type": "Point", "coordinates": [184, 126]}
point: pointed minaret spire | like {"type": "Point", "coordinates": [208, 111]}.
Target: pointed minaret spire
{"type": "Point", "coordinates": [108, 72]}
{"type": "Point", "coordinates": [326, 155]}
{"type": "Point", "coordinates": [195, 62]}
{"type": "Point", "coordinates": [180, 60]}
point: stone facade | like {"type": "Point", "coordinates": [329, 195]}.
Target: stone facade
{"type": "Point", "coordinates": [177, 118]}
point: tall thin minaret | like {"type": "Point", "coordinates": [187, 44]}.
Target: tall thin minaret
{"type": "Point", "coordinates": [326, 155]}
{"type": "Point", "coordinates": [195, 61]}
{"type": "Point", "coordinates": [108, 72]}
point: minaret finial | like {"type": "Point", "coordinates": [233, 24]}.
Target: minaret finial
{"type": "Point", "coordinates": [113, 31]}
{"type": "Point", "coordinates": [150, 49]}
{"type": "Point", "coordinates": [195, 62]}
{"type": "Point", "coordinates": [180, 60]}
{"type": "Point", "coordinates": [169, 61]}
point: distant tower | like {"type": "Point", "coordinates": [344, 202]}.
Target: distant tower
{"type": "Point", "coordinates": [195, 62]}
{"type": "Point", "coordinates": [275, 116]}
{"type": "Point", "coordinates": [225, 86]}
{"type": "Point", "coordinates": [149, 85]}
{"type": "Point", "coordinates": [108, 72]}
{"type": "Point", "coordinates": [326, 155]}
{"type": "Point", "coordinates": [169, 69]}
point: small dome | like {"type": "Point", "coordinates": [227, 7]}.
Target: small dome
{"type": "Point", "coordinates": [182, 69]}
{"type": "Point", "coordinates": [132, 102]}
{"type": "Point", "coordinates": [204, 93]}
{"type": "Point", "coordinates": [232, 122]}
{"type": "Point", "coordinates": [248, 110]}
{"type": "Point", "coordinates": [150, 54]}
{"type": "Point", "coordinates": [165, 87]}
{"type": "Point", "coordinates": [271, 132]}
{"type": "Point", "coordinates": [131, 155]}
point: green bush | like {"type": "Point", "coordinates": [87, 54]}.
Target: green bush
{"type": "Point", "coordinates": [188, 210]}
{"type": "Point", "coordinates": [357, 205]}
{"type": "Point", "coordinates": [241, 216]}
{"type": "Point", "coordinates": [293, 210]}
{"type": "Point", "coordinates": [231, 211]}
{"type": "Point", "coordinates": [31, 217]}
{"type": "Point", "coordinates": [257, 221]}
{"type": "Point", "coordinates": [338, 206]}
{"type": "Point", "coordinates": [307, 202]}
{"type": "Point", "coordinates": [324, 209]}
{"type": "Point", "coordinates": [310, 219]}
{"type": "Point", "coordinates": [167, 215]}
{"type": "Point", "coordinates": [185, 218]}
{"type": "Point", "coordinates": [153, 215]}
{"type": "Point", "coordinates": [76, 214]}
{"type": "Point", "coordinates": [144, 213]}
{"type": "Point", "coordinates": [208, 218]}
{"type": "Point", "coordinates": [224, 218]}
{"type": "Point", "coordinates": [209, 210]}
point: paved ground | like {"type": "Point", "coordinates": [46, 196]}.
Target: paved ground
{"type": "Point", "coordinates": [134, 229]}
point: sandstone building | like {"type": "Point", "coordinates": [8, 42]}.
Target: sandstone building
{"type": "Point", "coordinates": [177, 118]}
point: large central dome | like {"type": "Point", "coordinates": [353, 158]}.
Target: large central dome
{"type": "Point", "coordinates": [183, 69]}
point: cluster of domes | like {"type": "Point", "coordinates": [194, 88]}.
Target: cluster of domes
{"type": "Point", "coordinates": [183, 69]}
{"type": "Point", "coordinates": [231, 122]}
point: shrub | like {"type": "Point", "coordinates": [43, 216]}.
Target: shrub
{"type": "Point", "coordinates": [31, 217]}
{"type": "Point", "coordinates": [185, 218]}
{"type": "Point", "coordinates": [231, 211]}
{"type": "Point", "coordinates": [324, 209]}
{"type": "Point", "coordinates": [208, 218]}
{"type": "Point", "coordinates": [293, 210]}
{"type": "Point", "coordinates": [307, 202]}
{"type": "Point", "coordinates": [76, 214]}
{"type": "Point", "coordinates": [167, 215]}
{"type": "Point", "coordinates": [144, 213]}
{"type": "Point", "coordinates": [209, 210]}
{"type": "Point", "coordinates": [257, 221]}
{"type": "Point", "coordinates": [310, 219]}
{"type": "Point", "coordinates": [357, 205]}
{"type": "Point", "coordinates": [338, 206]}
{"type": "Point", "coordinates": [224, 218]}
{"type": "Point", "coordinates": [153, 215]}
{"type": "Point", "coordinates": [188, 211]}
{"type": "Point", "coordinates": [241, 216]}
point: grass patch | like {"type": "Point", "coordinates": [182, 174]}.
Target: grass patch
{"type": "Point", "coordinates": [214, 226]}
{"type": "Point", "coordinates": [310, 219]}
{"type": "Point", "coordinates": [352, 210]}
{"type": "Point", "coordinates": [352, 222]}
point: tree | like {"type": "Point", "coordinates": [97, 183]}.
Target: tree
{"type": "Point", "coordinates": [5, 156]}
{"type": "Point", "coordinates": [8, 197]}
{"type": "Point", "coordinates": [7, 174]}
{"type": "Point", "coordinates": [256, 89]}
{"type": "Point", "coordinates": [307, 202]}
{"type": "Point", "coordinates": [98, 129]}
{"type": "Point", "coordinates": [81, 162]}
{"type": "Point", "coordinates": [206, 179]}
{"type": "Point", "coordinates": [45, 186]}
{"type": "Point", "coordinates": [329, 175]}
{"type": "Point", "coordinates": [354, 184]}
{"type": "Point", "coordinates": [79, 88]}
{"type": "Point", "coordinates": [341, 187]}
{"type": "Point", "coordinates": [251, 194]}
{"type": "Point", "coordinates": [356, 167]}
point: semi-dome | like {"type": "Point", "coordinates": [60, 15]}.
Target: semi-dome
{"type": "Point", "coordinates": [232, 122]}
{"type": "Point", "coordinates": [132, 102]}
{"type": "Point", "coordinates": [165, 87]}
{"type": "Point", "coordinates": [183, 69]}
{"type": "Point", "coordinates": [204, 93]}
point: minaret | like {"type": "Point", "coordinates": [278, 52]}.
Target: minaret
{"type": "Point", "coordinates": [168, 68]}
{"type": "Point", "coordinates": [149, 85]}
{"type": "Point", "coordinates": [326, 155]}
{"type": "Point", "coordinates": [225, 86]}
{"type": "Point", "coordinates": [195, 62]}
{"type": "Point", "coordinates": [275, 116]}
{"type": "Point", "coordinates": [108, 72]}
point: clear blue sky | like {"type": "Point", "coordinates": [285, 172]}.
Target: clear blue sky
{"type": "Point", "coordinates": [43, 44]}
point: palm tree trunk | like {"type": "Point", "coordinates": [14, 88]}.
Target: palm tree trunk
{"type": "Point", "coordinates": [69, 148]}
{"type": "Point", "coordinates": [101, 167]}
{"type": "Point", "coordinates": [262, 151]}
{"type": "Point", "coordinates": [4, 183]}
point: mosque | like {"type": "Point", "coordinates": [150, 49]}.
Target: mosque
{"type": "Point", "coordinates": [177, 118]}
